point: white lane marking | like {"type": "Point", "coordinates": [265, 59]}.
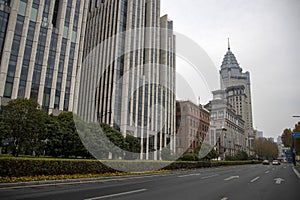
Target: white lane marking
{"type": "Point", "coordinates": [296, 172]}
{"type": "Point", "coordinates": [206, 177]}
{"type": "Point", "coordinates": [117, 195]}
{"type": "Point", "coordinates": [267, 172]}
{"type": "Point", "coordinates": [278, 180]}
{"type": "Point", "coordinates": [74, 182]}
{"type": "Point", "coordinates": [224, 198]}
{"type": "Point", "coordinates": [255, 179]}
{"type": "Point", "coordinates": [187, 175]}
{"type": "Point", "coordinates": [231, 177]}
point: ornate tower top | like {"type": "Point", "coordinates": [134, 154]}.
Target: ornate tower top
{"type": "Point", "coordinates": [229, 60]}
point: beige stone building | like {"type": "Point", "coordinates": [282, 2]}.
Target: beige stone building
{"type": "Point", "coordinates": [41, 51]}
{"type": "Point", "coordinates": [237, 85]}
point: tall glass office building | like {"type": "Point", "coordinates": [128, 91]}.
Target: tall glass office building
{"type": "Point", "coordinates": [41, 51]}
{"type": "Point", "coordinates": [128, 73]}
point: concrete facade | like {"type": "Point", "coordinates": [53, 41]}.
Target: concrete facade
{"type": "Point", "coordinates": [227, 127]}
{"type": "Point", "coordinates": [128, 78]}
{"type": "Point", "coordinates": [41, 51]}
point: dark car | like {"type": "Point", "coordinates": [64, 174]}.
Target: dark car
{"type": "Point", "coordinates": [265, 162]}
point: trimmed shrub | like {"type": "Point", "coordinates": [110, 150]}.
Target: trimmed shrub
{"type": "Point", "coordinates": [17, 167]}
{"type": "Point", "coordinates": [189, 157]}
{"type": "Point", "coordinates": [35, 167]}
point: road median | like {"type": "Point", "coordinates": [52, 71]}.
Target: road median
{"type": "Point", "coordinates": [36, 169]}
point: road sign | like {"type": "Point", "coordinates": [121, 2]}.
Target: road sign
{"type": "Point", "coordinates": [296, 135]}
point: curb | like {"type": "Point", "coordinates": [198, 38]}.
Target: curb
{"type": "Point", "coordinates": [296, 169]}
{"type": "Point", "coordinates": [34, 183]}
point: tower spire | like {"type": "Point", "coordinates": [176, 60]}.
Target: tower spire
{"type": "Point", "coordinates": [228, 44]}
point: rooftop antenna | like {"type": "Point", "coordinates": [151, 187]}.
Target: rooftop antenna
{"type": "Point", "coordinates": [228, 44]}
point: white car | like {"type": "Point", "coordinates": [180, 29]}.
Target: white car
{"type": "Point", "coordinates": [275, 162]}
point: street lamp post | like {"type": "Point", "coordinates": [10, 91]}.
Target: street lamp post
{"type": "Point", "coordinates": [222, 142]}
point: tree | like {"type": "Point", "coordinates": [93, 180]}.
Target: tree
{"type": "Point", "coordinates": [65, 141]}
{"type": "Point", "coordinates": [54, 137]}
{"type": "Point", "coordinates": [24, 124]}
{"type": "Point", "coordinates": [133, 146]}
{"type": "Point", "coordinates": [103, 140]}
{"type": "Point", "coordinates": [206, 152]}
{"type": "Point", "coordinates": [286, 137]}
{"type": "Point", "coordinates": [114, 136]}
{"type": "Point", "coordinates": [265, 149]}
{"type": "Point", "coordinates": [241, 155]}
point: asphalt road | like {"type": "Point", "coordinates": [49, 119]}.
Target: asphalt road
{"type": "Point", "coordinates": [239, 182]}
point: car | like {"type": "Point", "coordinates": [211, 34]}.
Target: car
{"type": "Point", "coordinates": [265, 162]}
{"type": "Point", "coordinates": [275, 162]}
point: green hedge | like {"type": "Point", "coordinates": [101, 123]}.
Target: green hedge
{"type": "Point", "coordinates": [35, 167]}
{"type": "Point", "coordinates": [17, 167]}
{"type": "Point", "coordinates": [202, 164]}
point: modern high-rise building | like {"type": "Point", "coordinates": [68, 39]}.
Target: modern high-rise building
{"type": "Point", "coordinates": [40, 51]}
{"type": "Point", "coordinates": [128, 73]}
{"type": "Point", "coordinates": [237, 85]}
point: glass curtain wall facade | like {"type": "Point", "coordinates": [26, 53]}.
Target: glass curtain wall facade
{"type": "Point", "coordinates": [128, 73]}
{"type": "Point", "coordinates": [40, 51]}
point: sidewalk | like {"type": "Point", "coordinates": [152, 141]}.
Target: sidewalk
{"type": "Point", "coordinates": [297, 169]}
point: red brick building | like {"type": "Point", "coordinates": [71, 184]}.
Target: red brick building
{"type": "Point", "coordinates": [192, 126]}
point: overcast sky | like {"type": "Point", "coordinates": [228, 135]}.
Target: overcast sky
{"type": "Point", "coordinates": [265, 38]}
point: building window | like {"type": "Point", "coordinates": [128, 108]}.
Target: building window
{"type": "Point", "coordinates": [22, 8]}
{"type": "Point", "coordinates": [33, 15]}
{"type": "Point", "coordinates": [55, 13]}
{"type": "Point", "coordinates": [221, 114]}
{"type": "Point", "coordinates": [74, 36]}
{"type": "Point", "coordinates": [65, 33]}
{"type": "Point", "coordinates": [5, 2]}
{"type": "Point", "coordinates": [8, 90]}
{"type": "Point", "coordinates": [213, 115]}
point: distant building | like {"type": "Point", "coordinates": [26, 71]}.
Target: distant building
{"type": "Point", "coordinates": [279, 140]}
{"type": "Point", "coordinates": [271, 139]}
{"type": "Point", "coordinates": [231, 109]}
{"type": "Point", "coordinates": [237, 86]}
{"type": "Point", "coordinates": [260, 134]}
{"type": "Point", "coordinates": [192, 125]}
